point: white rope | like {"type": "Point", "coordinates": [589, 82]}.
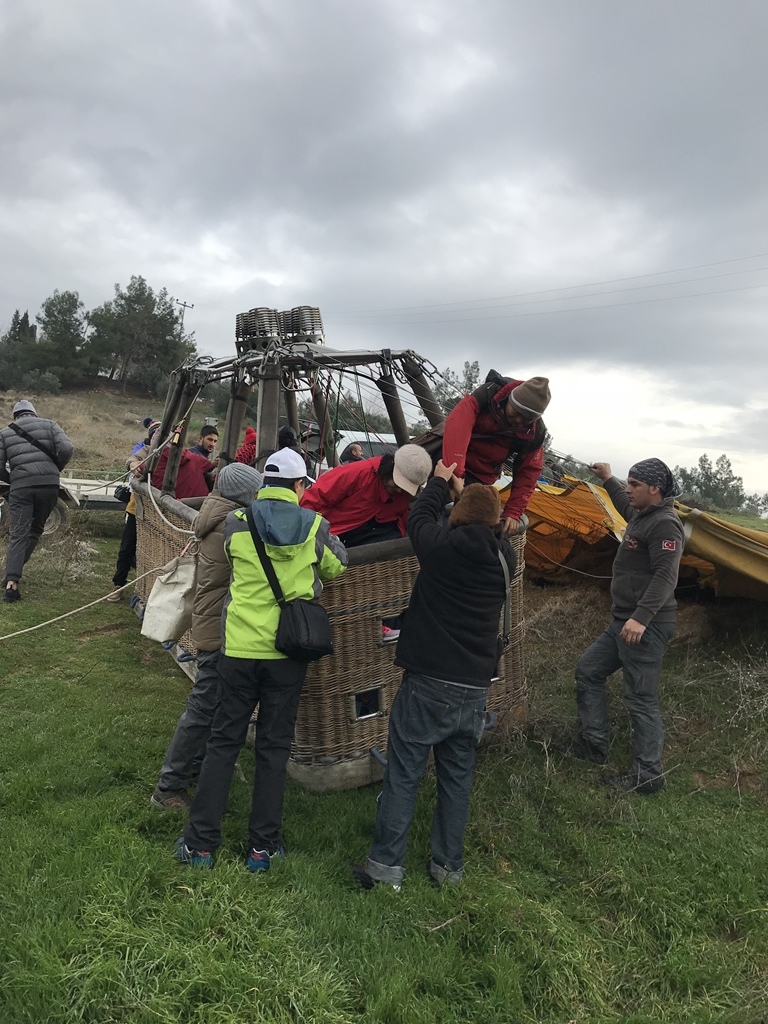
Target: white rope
{"type": "Point", "coordinates": [568, 567]}
{"type": "Point", "coordinates": [66, 615]}
{"type": "Point", "coordinates": [116, 590]}
{"type": "Point", "coordinates": [188, 533]}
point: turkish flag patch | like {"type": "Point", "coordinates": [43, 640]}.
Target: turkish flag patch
{"type": "Point", "coordinates": [668, 545]}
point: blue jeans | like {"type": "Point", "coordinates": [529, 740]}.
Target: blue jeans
{"type": "Point", "coordinates": [449, 719]}
{"type": "Point", "coordinates": [184, 757]}
{"type": "Point", "coordinates": [641, 666]}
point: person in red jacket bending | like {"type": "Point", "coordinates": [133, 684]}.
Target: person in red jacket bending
{"type": "Point", "coordinates": [195, 477]}
{"type": "Point", "coordinates": [368, 501]}
{"type": "Point", "coordinates": [500, 422]}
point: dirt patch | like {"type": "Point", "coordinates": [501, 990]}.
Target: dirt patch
{"type": "Point", "coordinates": [110, 629]}
{"type": "Point", "coordinates": [693, 625]}
{"type": "Point", "coordinates": [745, 778]}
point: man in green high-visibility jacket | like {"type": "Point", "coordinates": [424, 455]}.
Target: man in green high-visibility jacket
{"type": "Point", "coordinates": [305, 554]}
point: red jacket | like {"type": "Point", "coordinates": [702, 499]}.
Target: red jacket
{"type": "Point", "coordinates": [483, 456]}
{"type": "Point", "coordinates": [351, 495]}
{"type": "Point", "coordinates": [192, 481]}
{"type": "Point", "coordinates": [246, 453]}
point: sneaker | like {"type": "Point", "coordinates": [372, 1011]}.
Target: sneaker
{"type": "Point", "coordinates": [632, 783]}
{"type": "Point", "coordinates": [192, 858]}
{"type": "Point", "coordinates": [583, 750]}
{"type": "Point", "coordinates": [11, 594]}
{"type": "Point", "coordinates": [115, 596]}
{"type": "Point", "coordinates": [389, 635]}
{"type": "Point", "coordinates": [260, 860]}
{"type": "Point", "coordinates": [171, 800]}
{"type": "Point", "coordinates": [361, 876]}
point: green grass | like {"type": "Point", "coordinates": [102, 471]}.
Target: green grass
{"type": "Point", "coordinates": [578, 905]}
{"type": "Point", "coordinates": [742, 519]}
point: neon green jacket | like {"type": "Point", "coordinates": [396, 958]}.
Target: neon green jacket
{"type": "Point", "coordinates": [305, 555]}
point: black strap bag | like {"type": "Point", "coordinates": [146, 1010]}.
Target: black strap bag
{"type": "Point", "coordinates": [502, 641]}
{"type": "Point", "coordinates": [303, 632]}
{"type": "Point", "coordinates": [35, 443]}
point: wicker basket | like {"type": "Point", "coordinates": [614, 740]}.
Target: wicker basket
{"type": "Point", "coordinates": [341, 729]}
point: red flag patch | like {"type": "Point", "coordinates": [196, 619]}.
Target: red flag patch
{"type": "Point", "coordinates": [668, 545]}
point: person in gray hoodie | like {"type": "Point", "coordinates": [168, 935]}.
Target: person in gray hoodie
{"type": "Point", "coordinates": [236, 486]}
{"type": "Point", "coordinates": [35, 451]}
{"type": "Point", "coordinates": [643, 610]}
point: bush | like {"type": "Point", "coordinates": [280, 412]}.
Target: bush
{"type": "Point", "coordinates": [41, 381]}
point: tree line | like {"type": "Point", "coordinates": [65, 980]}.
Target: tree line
{"type": "Point", "coordinates": [135, 338]}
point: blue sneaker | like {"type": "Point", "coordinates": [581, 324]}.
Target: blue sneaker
{"type": "Point", "coordinates": [192, 858]}
{"type": "Point", "coordinates": [259, 860]}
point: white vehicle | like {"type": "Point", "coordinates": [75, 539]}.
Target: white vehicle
{"type": "Point", "coordinates": [373, 443]}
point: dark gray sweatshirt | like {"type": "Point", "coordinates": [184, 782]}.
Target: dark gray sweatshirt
{"type": "Point", "coordinates": [646, 565]}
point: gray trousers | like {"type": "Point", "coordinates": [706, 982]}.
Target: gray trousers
{"type": "Point", "coordinates": [187, 748]}
{"type": "Point", "coordinates": [29, 510]}
{"type": "Point", "coordinates": [448, 719]}
{"type": "Point", "coordinates": [641, 666]}
{"type": "Point", "coordinates": [275, 685]}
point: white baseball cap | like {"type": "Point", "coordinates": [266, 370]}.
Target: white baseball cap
{"type": "Point", "coordinates": [412, 467]}
{"type": "Point", "coordinates": [285, 464]}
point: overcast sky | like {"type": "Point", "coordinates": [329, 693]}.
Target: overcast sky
{"type": "Point", "coordinates": [418, 169]}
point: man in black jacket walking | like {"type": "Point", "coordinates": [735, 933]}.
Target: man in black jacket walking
{"type": "Point", "coordinates": [35, 450]}
{"type": "Point", "coordinates": [643, 611]}
{"type": "Point", "coordinates": [448, 648]}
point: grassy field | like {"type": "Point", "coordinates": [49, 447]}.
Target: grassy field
{"type": "Point", "coordinates": [579, 905]}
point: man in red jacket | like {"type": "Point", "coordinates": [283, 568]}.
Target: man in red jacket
{"type": "Point", "coordinates": [368, 501]}
{"type": "Point", "coordinates": [500, 422]}
{"type": "Point", "coordinates": [195, 475]}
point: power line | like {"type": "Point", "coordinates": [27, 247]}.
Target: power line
{"type": "Point", "coordinates": [184, 307]}
{"type": "Point", "coordinates": [547, 312]}
{"type": "Point", "coordinates": [588, 295]}
{"type": "Point", "coordinates": [547, 291]}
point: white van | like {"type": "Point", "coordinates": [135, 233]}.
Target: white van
{"type": "Point", "coordinates": [373, 443]}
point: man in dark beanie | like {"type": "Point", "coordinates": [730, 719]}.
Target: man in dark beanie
{"type": "Point", "coordinates": [448, 648]}
{"type": "Point", "coordinates": [500, 422]}
{"type": "Point", "coordinates": [643, 621]}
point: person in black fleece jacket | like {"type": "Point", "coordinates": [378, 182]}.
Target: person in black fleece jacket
{"type": "Point", "coordinates": [448, 648]}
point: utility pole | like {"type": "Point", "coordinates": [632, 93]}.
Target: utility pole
{"type": "Point", "coordinates": [184, 307]}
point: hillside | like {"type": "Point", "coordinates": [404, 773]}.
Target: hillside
{"type": "Point", "coordinates": [103, 423]}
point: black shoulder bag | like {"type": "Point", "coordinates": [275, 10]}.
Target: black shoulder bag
{"type": "Point", "coordinates": [303, 632]}
{"type": "Point", "coordinates": [35, 443]}
{"type": "Point", "coordinates": [502, 641]}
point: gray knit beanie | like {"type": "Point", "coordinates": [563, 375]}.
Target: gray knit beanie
{"type": "Point", "coordinates": [238, 482]}
{"type": "Point", "coordinates": [24, 408]}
